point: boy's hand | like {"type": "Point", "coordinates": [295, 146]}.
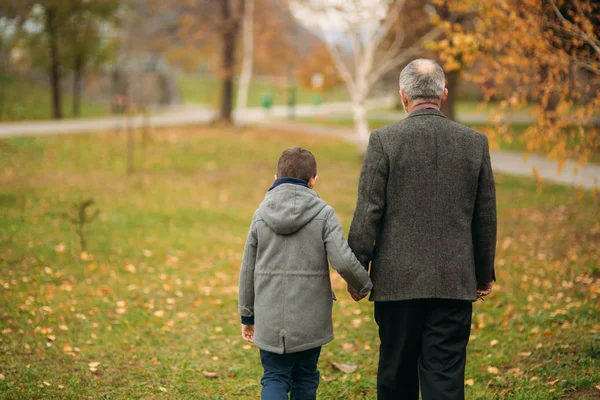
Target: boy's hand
{"type": "Point", "coordinates": [248, 333]}
{"type": "Point", "coordinates": [355, 295]}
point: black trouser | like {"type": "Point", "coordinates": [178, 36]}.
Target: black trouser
{"type": "Point", "coordinates": [422, 340]}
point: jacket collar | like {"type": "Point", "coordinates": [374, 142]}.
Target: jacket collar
{"type": "Point", "coordinates": [426, 111]}
{"type": "Point", "coordinates": [293, 181]}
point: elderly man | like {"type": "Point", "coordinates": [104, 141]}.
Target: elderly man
{"type": "Point", "coordinates": [426, 222]}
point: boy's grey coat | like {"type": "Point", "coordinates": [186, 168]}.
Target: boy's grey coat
{"type": "Point", "coordinates": [426, 212]}
{"type": "Point", "coordinates": [284, 278]}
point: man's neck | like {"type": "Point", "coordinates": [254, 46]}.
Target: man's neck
{"type": "Point", "coordinates": [422, 106]}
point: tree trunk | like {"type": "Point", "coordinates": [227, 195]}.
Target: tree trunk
{"type": "Point", "coordinates": [77, 84]}
{"type": "Point", "coordinates": [52, 30]}
{"type": "Point", "coordinates": [361, 124]}
{"type": "Point", "coordinates": [3, 72]}
{"type": "Point", "coordinates": [228, 59]}
{"type": "Point", "coordinates": [248, 39]}
{"type": "Point", "coordinates": [448, 107]}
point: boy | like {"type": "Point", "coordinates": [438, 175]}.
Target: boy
{"type": "Point", "coordinates": [285, 296]}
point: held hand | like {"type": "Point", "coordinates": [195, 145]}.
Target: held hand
{"type": "Point", "coordinates": [484, 289]}
{"type": "Point", "coordinates": [355, 295]}
{"type": "Point", "coordinates": [248, 333]}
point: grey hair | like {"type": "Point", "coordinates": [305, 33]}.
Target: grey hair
{"type": "Point", "coordinates": [423, 79]}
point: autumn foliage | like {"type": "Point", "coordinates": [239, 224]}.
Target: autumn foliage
{"type": "Point", "coordinates": [539, 57]}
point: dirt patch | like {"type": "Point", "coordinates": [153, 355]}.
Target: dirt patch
{"type": "Point", "coordinates": [588, 394]}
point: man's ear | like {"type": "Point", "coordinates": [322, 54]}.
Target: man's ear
{"type": "Point", "coordinates": [444, 95]}
{"type": "Point", "coordinates": [404, 98]}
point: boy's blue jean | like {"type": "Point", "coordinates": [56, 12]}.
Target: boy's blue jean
{"type": "Point", "coordinates": [294, 373]}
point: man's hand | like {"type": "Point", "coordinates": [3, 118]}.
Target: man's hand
{"type": "Point", "coordinates": [355, 295]}
{"type": "Point", "coordinates": [483, 289]}
{"type": "Point", "coordinates": [248, 333]}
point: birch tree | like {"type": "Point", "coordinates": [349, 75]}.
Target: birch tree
{"type": "Point", "coordinates": [376, 39]}
{"type": "Point", "coordinates": [247, 55]}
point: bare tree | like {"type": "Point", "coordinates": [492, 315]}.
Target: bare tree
{"type": "Point", "coordinates": [376, 43]}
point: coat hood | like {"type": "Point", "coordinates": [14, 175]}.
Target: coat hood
{"type": "Point", "coordinates": [289, 207]}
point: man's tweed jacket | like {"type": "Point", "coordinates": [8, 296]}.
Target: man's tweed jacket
{"type": "Point", "coordinates": [426, 212]}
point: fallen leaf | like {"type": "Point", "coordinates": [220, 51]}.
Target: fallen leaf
{"type": "Point", "coordinates": [525, 353]}
{"type": "Point", "coordinates": [51, 337]}
{"type": "Point", "coordinates": [553, 382]}
{"type": "Point", "coordinates": [597, 387]}
{"type": "Point", "coordinates": [162, 389]}
{"type": "Point", "coordinates": [345, 368]}
{"type": "Point", "coordinates": [47, 383]}
{"type": "Point", "coordinates": [93, 364]}
{"type": "Point", "coordinates": [211, 375]}
{"type": "Point", "coordinates": [469, 382]}
{"type": "Point", "coordinates": [327, 379]}
{"type": "Point", "coordinates": [533, 378]}
{"type": "Point", "coordinates": [67, 348]}
{"type": "Point", "coordinates": [494, 342]}
{"type": "Point", "coordinates": [348, 346]}
{"type": "Point", "coordinates": [2, 377]}
{"type": "Point", "coordinates": [61, 386]}
{"type": "Point", "coordinates": [63, 328]}
{"type": "Point", "coordinates": [493, 370]}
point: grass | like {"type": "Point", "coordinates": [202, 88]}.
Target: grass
{"type": "Point", "coordinates": [24, 100]}
{"type": "Point", "coordinates": [197, 89]}
{"type": "Point", "coordinates": [154, 301]}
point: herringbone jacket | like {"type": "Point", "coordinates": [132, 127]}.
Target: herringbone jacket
{"type": "Point", "coordinates": [425, 219]}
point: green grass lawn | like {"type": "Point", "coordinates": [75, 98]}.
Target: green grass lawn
{"type": "Point", "coordinates": [152, 305]}
{"type": "Point", "coordinates": [24, 100]}
{"type": "Point", "coordinates": [196, 89]}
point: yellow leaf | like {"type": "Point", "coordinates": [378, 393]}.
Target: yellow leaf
{"type": "Point", "coordinates": [525, 353]}
{"type": "Point", "coordinates": [47, 383]}
{"type": "Point", "coordinates": [51, 337]}
{"type": "Point", "coordinates": [494, 342]}
{"type": "Point", "coordinates": [93, 364]}
{"type": "Point", "coordinates": [162, 389]}
{"type": "Point", "coordinates": [469, 382]}
{"type": "Point", "coordinates": [211, 375]}
{"type": "Point", "coordinates": [493, 370]}
{"type": "Point", "coordinates": [67, 349]}
{"type": "Point", "coordinates": [2, 377]}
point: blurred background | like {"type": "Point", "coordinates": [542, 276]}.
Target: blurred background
{"type": "Point", "coordinates": [137, 138]}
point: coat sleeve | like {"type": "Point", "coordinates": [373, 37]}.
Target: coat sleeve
{"type": "Point", "coordinates": [246, 284]}
{"type": "Point", "coordinates": [484, 223]}
{"type": "Point", "coordinates": [341, 257]}
{"type": "Point", "coordinates": [371, 201]}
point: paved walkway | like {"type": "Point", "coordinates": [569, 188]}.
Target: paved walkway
{"type": "Point", "coordinates": [507, 162]}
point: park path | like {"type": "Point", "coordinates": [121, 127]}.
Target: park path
{"type": "Point", "coordinates": [503, 161]}
{"type": "Point", "coordinates": [508, 162]}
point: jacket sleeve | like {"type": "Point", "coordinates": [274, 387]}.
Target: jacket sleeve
{"type": "Point", "coordinates": [371, 201]}
{"type": "Point", "coordinates": [246, 284]}
{"type": "Point", "coordinates": [341, 257]}
{"type": "Point", "coordinates": [484, 223]}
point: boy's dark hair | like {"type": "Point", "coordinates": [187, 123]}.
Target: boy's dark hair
{"type": "Point", "coordinates": [297, 162]}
